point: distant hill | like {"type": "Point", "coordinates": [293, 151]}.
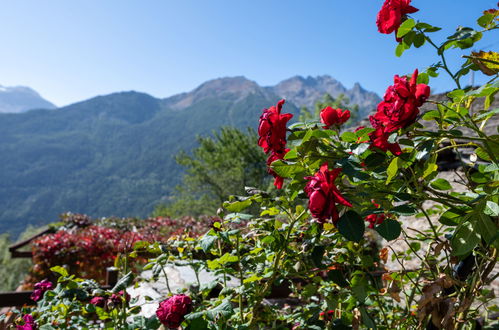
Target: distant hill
{"type": "Point", "coordinates": [306, 91]}
{"type": "Point", "coordinates": [114, 154]}
{"type": "Point", "coordinates": [20, 99]}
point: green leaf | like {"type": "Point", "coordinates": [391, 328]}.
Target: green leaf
{"type": "Point", "coordinates": [450, 218]}
{"type": "Point", "coordinates": [349, 137]}
{"type": "Point", "coordinates": [292, 154]}
{"type": "Point", "coordinates": [207, 242]}
{"type": "Point", "coordinates": [401, 47]}
{"type": "Point", "coordinates": [375, 159]}
{"type": "Point", "coordinates": [491, 168]}
{"type": "Point", "coordinates": [486, 19]}
{"type": "Point", "coordinates": [367, 318]}
{"type": "Point", "coordinates": [427, 27]}
{"type": "Point", "coordinates": [389, 229]}
{"type": "Point", "coordinates": [419, 40]}
{"type": "Point", "coordinates": [464, 239]}
{"type": "Point", "coordinates": [440, 184]}
{"type": "Point", "coordinates": [286, 170]}
{"type": "Point", "coordinates": [393, 169]}
{"type": "Point", "coordinates": [195, 324]}
{"type": "Point", "coordinates": [252, 278]}
{"type": "Point", "coordinates": [431, 115]}
{"type": "Point", "coordinates": [237, 206]}
{"type": "Point", "coordinates": [351, 226]}
{"type": "Point", "coordinates": [480, 152]}
{"type": "Point", "coordinates": [123, 283]}
{"type": "Point", "coordinates": [491, 208]}
{"type": "Point", "coordinates": [223, 310]}
{"type": "Point", "coordinates": [404, 209]}
{"type": "Point", "coordinates": [226, 258]}
{"type": "Point", "coordinates": [485, 227]}
{"type": "Point", "coordinates": [431, 168]}
{"type": "Point", "coordinates": [60, 270]}
{"type": "Point", "coordinates": [359, 287]}
{"type": "Point", "coordinates": [405, 27]}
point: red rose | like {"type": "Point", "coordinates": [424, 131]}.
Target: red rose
{"type": "Point", "coordinates": [171, 311]}
{"type": "Point", "coordinates": [400, 105]}
{"type": "Point", "coordinates": [392, 14]}
{"type": "Point", "coordinates": [278, 181]}
{"type": "Point", "coordinates": [117, 298]}
{"type": "Point", "coordinates": [272, 128]}
{"type": "Point", "coordinates": [330, 116]}
{"type": "Point", "coordinates": [375, 219]}
{"type": "Point", "coordinates": [379, 139]}
{"type": "Point", "coordinates": [323, 194]}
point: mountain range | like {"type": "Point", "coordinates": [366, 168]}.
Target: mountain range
{"type": "Point", "coordinates": [114, 154]}
{"type": "Point", "coordinates": [20, 99]}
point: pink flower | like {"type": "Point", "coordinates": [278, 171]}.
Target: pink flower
{"type": "Point", "coordinates": [29, 323]}
{"type": "Point", "coordinates": [171, 311]}
{"type": "Point", "coordinates": [40, 288]}
{"type": "Point", "coordinates": [98, 301]}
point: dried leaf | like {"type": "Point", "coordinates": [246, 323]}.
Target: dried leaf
{"type": "Point", "coordinates": [487, 62]}
{"type": "Point", "coordinates": [394, 291]}
{"type": "Point", "coordinates": [383, 254]}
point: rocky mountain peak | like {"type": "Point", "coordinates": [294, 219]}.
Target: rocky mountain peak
{"type": "Point", "coordinates": [235, 88]}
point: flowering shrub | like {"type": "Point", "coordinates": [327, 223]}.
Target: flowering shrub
{"type": "Point", "coordinates": [317, 254]}
{"type": "Point", "coordinates": [87, 250]}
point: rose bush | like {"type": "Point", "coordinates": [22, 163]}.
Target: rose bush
{"type": "Point", "coordinates": [326, 240]}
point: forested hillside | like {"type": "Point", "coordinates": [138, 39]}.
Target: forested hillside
{"type": "Point", "coordinates": [112, 155]}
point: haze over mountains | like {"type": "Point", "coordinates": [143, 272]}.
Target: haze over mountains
{"type": "Point", "coordinates": [20, 99]}
{"type": "Point", "coordinates": [114, 154]}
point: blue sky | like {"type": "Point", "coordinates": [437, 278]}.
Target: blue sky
{"type": "Point", "coordinates": [73, 50]}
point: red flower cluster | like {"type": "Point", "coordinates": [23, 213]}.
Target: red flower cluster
{"type": "Point", "coordinates": [40, 289]}
{"type": "Point", "coordinates": [272, 132]}
{"type": "Point", "coordinates": [29, 323]}
{"type": "Point", "coordinates": [375, 219]}
{"type": "Point", "coordinates": [401, 102]}
{"type": "Point", "coordinates": [171, 311]}
{"type": "Point", "coordinates": [399, 109]}
{"type": "Point", "coordinates": [392, 14]}
{"type": "Point", "coordinates": [323, 194]}
{"type": "Point", "coordinates": [88, 251]}
{"type": "Point", "coordinates": [327, 316]}
{"type": "Point", "coordinates": [330, 116]}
